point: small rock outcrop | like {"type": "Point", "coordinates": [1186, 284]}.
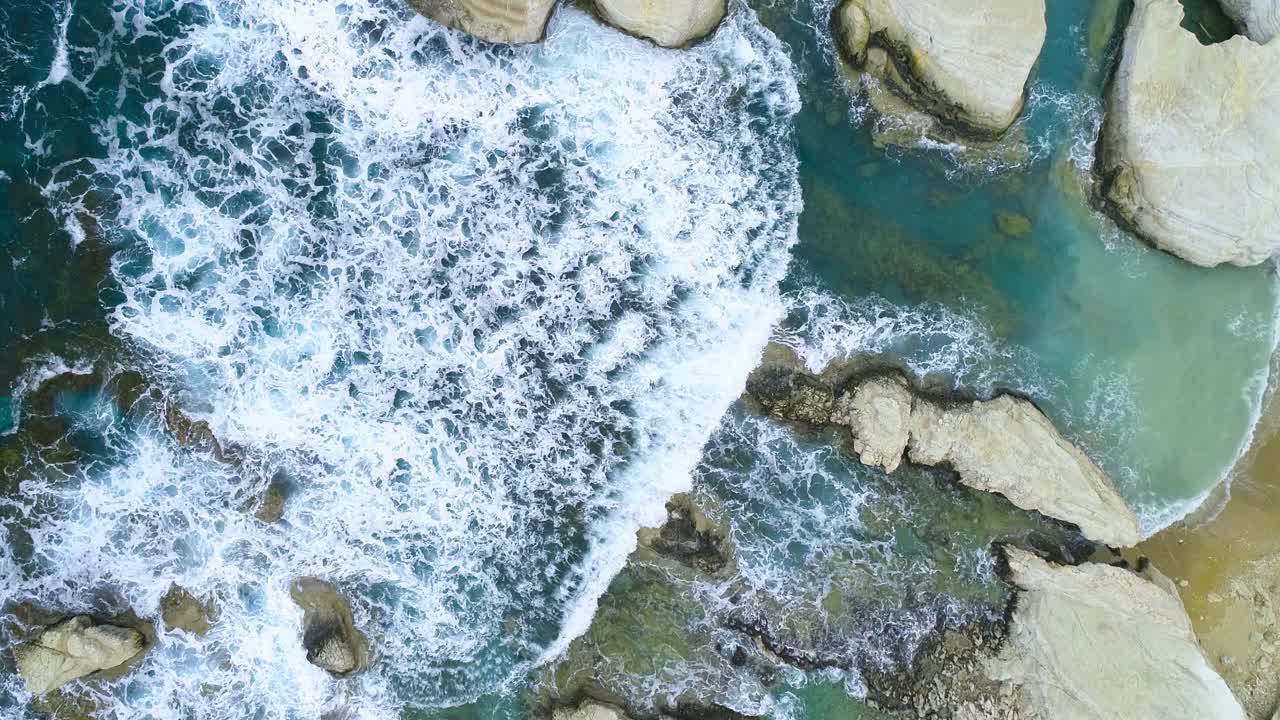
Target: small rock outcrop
{"type": "Point", "coordinates": [1258, 19]}
{"type": "Point", "coordinates": [690, 537]}
{"type": "Point", "coordinates": [1097, 641]}
{"type": "Point", "coordinates": [73, 649]}
{"type": "Point", "coordinates": [1189, 156]}
{"type": "Point", "coordinates": [589, 710]}
{"type": "Point", "coordinates": [498, 21]}
{"type": "Point", "coordinates": [668, 23]}
{"type": "Point", "coordinates": [878, 412]}
{"type": "Point", "coordinates": [328, 628]}
{"type": "Point", "coordinates": [1004, 445]}
{"type": "Point", "coordinates": [965, 63]}
{"type": "Point", "coordinates": [181, 610]}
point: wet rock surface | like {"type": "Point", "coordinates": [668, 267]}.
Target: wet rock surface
{"type": "Point", "coordinates": [329, 633]}
{"type": "Point", "coordinates": [181, 610]}
{"type": "Point", "coordinates": [72, 649]}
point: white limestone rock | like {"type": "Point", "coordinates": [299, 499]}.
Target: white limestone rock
{"type": "Point", "coordinates": [1190, 155]}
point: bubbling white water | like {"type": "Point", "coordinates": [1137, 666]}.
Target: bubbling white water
{"type": "Point", "coordinates": [481, 306]}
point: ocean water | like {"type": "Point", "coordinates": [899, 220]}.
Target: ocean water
{"type": "Point", "coordinates": [481, 310]}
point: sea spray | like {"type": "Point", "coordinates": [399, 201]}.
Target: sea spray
{"type": "Point", "coordinates": [479, 305]}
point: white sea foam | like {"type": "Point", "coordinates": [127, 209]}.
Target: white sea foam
{"type": "Point", "coordinates": [482, 306]}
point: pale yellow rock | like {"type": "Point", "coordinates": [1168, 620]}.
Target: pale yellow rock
{"type": "Point", "coordinates": [669, 23]}
{"type": "Point", "coordinates": [73, 649]}
{"type": "Point", "coordinates": [499, 21]}
{"type": "Point", "coordinates": [1190, 150]}
{"type": "Point", "coordinates": [1258, 19]}
{"type": "Point", "coordinates": [878, 412]}
{"type": "Point", "coordinates": [589, 711]}
{"type": "Point", "coordinates": [966, 62]}
{"type": "Point", "coordinates": [1102, 643]}
{"type": "Point", "coordinates": [1007, 446]}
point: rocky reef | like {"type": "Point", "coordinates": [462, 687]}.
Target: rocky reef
{"type": "Point", "coordinates": [944, 67]}
{"type": "Point", "coordinates": [1189, 159]}
{"type": "Point", "coordinates": [1003, 445]}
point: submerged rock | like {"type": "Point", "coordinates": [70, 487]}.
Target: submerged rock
{"type": "Point", "coordinates": [1258, 19]}
{"type": "Point", "coordinates": [669, 23]}
{"type": "Point", "coordinates": [73, 649]}
{"type": "Point", "coordinates": [181, 610]}
{"type": "Point", "coordinates": [328, 628]}
{"type": "Point", "coordinates": [964, 62]}
{"type": "Point", "coordinates": [271, 507]}
{"type": "Point", "coordinates": [1190, 156]}
{"type": "Point", "coordinates": [1097, 641]}
{"type": "Point", "coordinates": [499, 21]}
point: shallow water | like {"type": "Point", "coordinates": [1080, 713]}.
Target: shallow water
{"type": "Point", "coordinates": [481, 310]}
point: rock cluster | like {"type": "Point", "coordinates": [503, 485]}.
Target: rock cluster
{"type": "Point", "coordinates": [1004, 445]}
{"type": "Point", "coordinates": [1189, 156]}
{"type": "Point", "coordinates": [964, 63]}
{"type": "Point", "coordinates": [72, 649]}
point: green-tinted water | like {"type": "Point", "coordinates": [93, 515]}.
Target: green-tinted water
{"type": "Point", "coordinates": [1157, 366]}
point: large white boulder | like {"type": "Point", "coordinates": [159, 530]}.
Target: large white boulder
{"type": "Point", "coordinates": [1190, 155]}
{"type": "Point", "coordinates": [964, 62]}
{"type": "Point", "coordinates": [1005, 445]}
{"type": "Point", "coordinates": [1104, 643]}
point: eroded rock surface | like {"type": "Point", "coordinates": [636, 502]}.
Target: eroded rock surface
{"type": "Point", "coordinates": [1258, 19]}
{"type": "Point", "coordinates": [964, 62]}
{"type": "Point", "coordinates": [329, 633]}
{"type": "Point", "coordinates": [1190, 156]}
{"type": "Point", "coordinates": [499, 21]}
{"type": "Point", "coordinates": [181, 610]}
{"type": "Point", "coordinates": [73, 649]}
{"type": "Point", "coordinates": [669, 23]}
{"type": "Point", "coordinates": [1004, 445]}
{"type": "Point", "coordinates": [1097, 641]}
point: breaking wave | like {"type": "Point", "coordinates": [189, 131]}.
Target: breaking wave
{"type": "Point", "coordinates": [477, 308]}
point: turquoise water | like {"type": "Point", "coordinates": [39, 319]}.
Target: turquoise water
{"type": "Point", "coordinates": [313, 226]}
